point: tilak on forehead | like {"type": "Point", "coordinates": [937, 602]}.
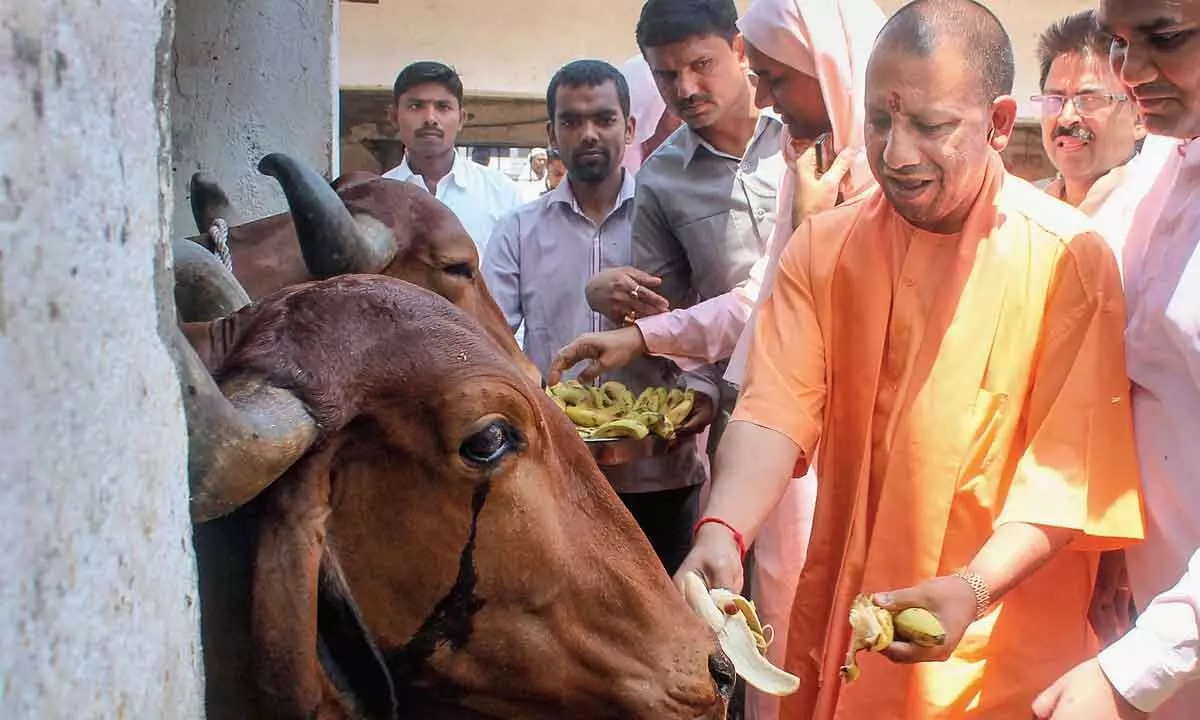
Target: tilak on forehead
{"type": "Point", "coordinates": [893, 102]}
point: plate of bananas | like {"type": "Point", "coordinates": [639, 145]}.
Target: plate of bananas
{"type": "Point", "coordinates": [618, 426]}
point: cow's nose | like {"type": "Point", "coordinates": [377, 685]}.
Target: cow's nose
{"type": "Point", "coordinates": [721, 669]}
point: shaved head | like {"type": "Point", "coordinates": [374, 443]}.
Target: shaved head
{"type": "Point", "coordinates": [923, 27]}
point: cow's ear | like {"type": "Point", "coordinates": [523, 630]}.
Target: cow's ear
{"type": "Point", "coordinates": [287, 563]}
{"type": "Point", "coordinates": [349, 655]}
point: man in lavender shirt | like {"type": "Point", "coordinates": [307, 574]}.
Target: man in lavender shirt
{"type": "Point", "coordinates": [538, 262]}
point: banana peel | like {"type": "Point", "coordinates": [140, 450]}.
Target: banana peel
{"type": "Point", "coordinates": [873, 629]}
{"type": "Point", "coordinates": [742, 636]}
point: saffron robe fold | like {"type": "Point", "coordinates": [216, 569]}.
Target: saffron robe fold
{"type": "Point", "coordinates": [953, 383]}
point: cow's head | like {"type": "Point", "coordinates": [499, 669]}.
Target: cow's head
{"type": "Point", "coordinates": [362, 223]}
{"type": "Point", "coordinates": [440, 512]}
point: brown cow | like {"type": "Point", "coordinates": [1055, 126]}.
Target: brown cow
{"type": "Point", "coordinates": [362, 224]}
{"type": "Point", "coordinates": [433, 540]}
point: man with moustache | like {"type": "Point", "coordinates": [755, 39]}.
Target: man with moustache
{"type": "Point", "coordinates": [1154, 668]}
{"type": "Point", "coordinates": [541, 255]}
{"type": "Point", "coordinates": [706, 199]}
{"type": "Point", "coordinates": [428, 114]}
{"type": "Point", "coordinates": [1090, 127]}
{"type": "Point", "coordinates": [952, 344]}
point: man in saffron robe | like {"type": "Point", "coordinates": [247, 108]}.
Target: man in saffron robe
{"type": "Point", "coordinates": [953, 343]}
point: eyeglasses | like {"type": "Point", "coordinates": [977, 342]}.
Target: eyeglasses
{"type": "Point", "coordinates": [1087, 104]}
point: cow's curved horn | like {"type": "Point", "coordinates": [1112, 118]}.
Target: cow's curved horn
{"type": "Point", "coordinates": [332, 241]}
{"type": "Point", "coordinates": [204, 289]}
{"type": "Point", "coordinates": [241, 436]}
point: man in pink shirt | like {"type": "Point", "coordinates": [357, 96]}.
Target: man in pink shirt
{"type": "Point", "coordinates": [1151, 670]}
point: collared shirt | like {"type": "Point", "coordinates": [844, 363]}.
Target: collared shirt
{"type": "Point", "coordinates": [1161, 257]}
{"type": "Point", "coordinates": [478, 195]}
{"type": "Point", "coordinates": [704, 217]}
{"type": "Point", "coordinates": [539, 260]}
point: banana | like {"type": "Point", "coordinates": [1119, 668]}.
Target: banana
{"type": "Point", "coordinates": [618, 395]}
{"type": "Point", "coordinates": [621, 428]}
{"type": "Point", "coordinates": [873, 629]}
{"type": "Point", "coordinates": [570, 392]}
{"type": "Point", "coordinates": [920, 627]}
{"type": "Point", "coordinates": [586, 417]}
{"type": "Point", "coordinates": [736, 633]}
{"type": "Point", "coordinates": [679, 412]}
{"type": "Point", "coordinates": [647, 401]}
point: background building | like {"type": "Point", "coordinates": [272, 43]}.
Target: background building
{"type": "Point", "coordinates": [507, 51]}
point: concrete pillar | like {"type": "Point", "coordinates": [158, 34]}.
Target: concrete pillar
{"type": "Point", "coordinates": [250, 78]}
{"type": "Point", "coordinates": [98, 609]}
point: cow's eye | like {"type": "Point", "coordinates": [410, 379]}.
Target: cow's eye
{"type": "Point", "coordinates": [463, 270]}
{"type": "Point", "coordinates": [489, 445]}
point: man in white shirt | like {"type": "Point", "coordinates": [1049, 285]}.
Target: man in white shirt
{"type": "Point", "coordinates": [1152, 669]}
{"type": "Point", "coordinates": [428, 113]}
{"type": "Point", "coordinates": [533, 181]}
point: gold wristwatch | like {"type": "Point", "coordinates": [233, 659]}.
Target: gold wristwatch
{"type": "Point", "coordinates": [983, 596]}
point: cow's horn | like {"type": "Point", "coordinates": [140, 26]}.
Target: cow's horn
{"type": "Point", "coordinates": [204, 289]}
{"type": "Point", "coordinates": [241, 436]}
{"type": "Point", "coordinates": [332, 242]}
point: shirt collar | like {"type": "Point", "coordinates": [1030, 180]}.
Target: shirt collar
{"type": "Point", "coordinates": [459, 171]}
{"type": "Point", "coordinates": [689, 140]}
{"type": "Point", "coordinates": [562, 193]}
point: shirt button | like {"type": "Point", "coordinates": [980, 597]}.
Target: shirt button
{"type": "Point", "coordinates": [745, 167]}
{"type": "Point", "coordinates": [760, 213]}
{"type": "Point", "coordinates": [909, 282]}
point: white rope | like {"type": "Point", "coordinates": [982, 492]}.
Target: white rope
{"type": "Point", "coordinates": [219, 232]}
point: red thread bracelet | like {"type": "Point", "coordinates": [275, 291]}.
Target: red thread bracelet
{"type": "Point", "coordinates": [737, 536]}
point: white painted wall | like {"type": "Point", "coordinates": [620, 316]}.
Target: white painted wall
{"type": "Point", "coordinates": [250, 78]}
{"type": "Point", "coordinates": [98, 614]}
{"type": "Point", "coordinates": [512, 47]}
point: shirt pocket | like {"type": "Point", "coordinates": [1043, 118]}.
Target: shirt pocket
{"type": "Point", "coordinates": [720, 250]}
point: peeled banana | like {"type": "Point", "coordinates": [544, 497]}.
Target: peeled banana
{"type": "Point", "coordinates": [742, 637]}
{"type": "Point", "coordinates": [611, 410]}
{"type": "Point", "coordinates": [873, 629]}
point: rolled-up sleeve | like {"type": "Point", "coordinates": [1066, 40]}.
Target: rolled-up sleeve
{"type": "Point", "coordinates": [784, 388]}
{"type": "Point", "coordinates": [1161, 653]}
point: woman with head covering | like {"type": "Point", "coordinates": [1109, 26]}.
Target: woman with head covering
{"type": "Point", "coordinates": [810, 57]}
{"type": "Point", "coordinates": [653, 123]}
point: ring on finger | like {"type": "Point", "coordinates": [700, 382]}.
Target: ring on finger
{"type": "Point", "coordinates": [636, 289]}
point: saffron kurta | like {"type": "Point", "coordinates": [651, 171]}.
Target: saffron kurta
{"type": "Point", "coordinates": [954, 383]}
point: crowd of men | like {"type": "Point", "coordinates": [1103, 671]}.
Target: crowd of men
{"type": "Point", "coordinates": [918, 376]}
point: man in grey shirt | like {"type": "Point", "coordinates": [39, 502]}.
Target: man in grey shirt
{"type": "Point", "coordinates": [540, 257]}
{"type": "Point", "coordinates": [705, 202]}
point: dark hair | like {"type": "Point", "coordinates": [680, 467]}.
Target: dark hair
{"type": "Point", "coordinates": [587, 73]}
{"type": "Point", "coordinates": [428, 72]}
{"type": "Point", "coordinates": [1079, 33]}
{"type": "Point", "coordinates": [665, 22]}
{"type": "Point", "coordinates": [922, 25]}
